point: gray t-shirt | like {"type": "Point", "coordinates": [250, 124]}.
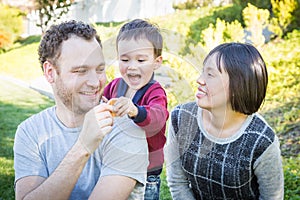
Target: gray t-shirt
{"type": "Point", "coordinates": [42, 141]}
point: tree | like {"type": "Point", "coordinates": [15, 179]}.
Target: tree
{"type": "Point", "coordinates": [51, 11]}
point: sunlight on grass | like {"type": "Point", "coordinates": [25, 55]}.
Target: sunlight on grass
{"type": "Point", "coordinates": [21, 63]}
{"type": "Point", "coordinates": [16, 104]}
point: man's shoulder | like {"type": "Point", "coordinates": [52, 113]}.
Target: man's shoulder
{"type": "Point", "coordinates": [126, 132]}
{"type": "Point", "coordinates": [36, 118]}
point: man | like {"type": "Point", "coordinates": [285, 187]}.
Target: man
{"type": "Point", "coordinates": [76, 149]}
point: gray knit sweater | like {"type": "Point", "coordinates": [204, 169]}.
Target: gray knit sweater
{"type": "Point", "coordinates": [199, 166]}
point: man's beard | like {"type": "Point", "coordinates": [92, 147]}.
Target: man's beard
{"type": "Point", "coordinates": [66, 96]}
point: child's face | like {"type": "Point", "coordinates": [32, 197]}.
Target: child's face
{"type": "Point", "coordinates": [137, 62]}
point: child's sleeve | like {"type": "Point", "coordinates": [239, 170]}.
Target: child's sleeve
{"type": "Point", "coordinates": [152, 113]}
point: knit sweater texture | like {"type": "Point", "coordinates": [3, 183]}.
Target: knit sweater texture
{"type": "Point", "coordinates": [244, 166]}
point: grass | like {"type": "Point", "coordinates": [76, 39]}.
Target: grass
{"type": "Point", "coordinates": [16, 104]}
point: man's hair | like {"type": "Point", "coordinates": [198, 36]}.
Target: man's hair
{"type": "Point", "coordinates": [248, 76]}
{"type": "Point", "coordinates": [142, 29]}
{"type": "Point", "coordinates": [50, 46]}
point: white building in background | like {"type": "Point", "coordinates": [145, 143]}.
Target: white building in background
{"type": "Point", "coordinates": [92, 11]}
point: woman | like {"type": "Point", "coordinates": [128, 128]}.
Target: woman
{"type": "Point", "coordinates": [219, 147]}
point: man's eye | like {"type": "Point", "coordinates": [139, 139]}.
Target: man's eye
{"type": "Point", "coordinates": [100, 70]}
{"type": "Point", "coordinates": [81, 71]}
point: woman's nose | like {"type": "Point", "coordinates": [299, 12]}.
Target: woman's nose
{"type": "Point", "coordinates": [201, 80]}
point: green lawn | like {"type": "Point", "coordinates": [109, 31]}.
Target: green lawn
{"type": "Point", "coordinates": [16, 104]}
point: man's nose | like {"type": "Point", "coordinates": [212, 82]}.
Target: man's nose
{"type": "Point", "coordinates": [93, 79]}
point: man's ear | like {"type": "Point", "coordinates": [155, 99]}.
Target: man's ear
{"type": "Point", "coordinates": [158, 62]}
{"type": "Point", "coordinates": [49, 71]}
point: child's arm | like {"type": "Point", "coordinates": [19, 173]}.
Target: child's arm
{"type": "Point", "coordinates": [152, 111]}
{"type": "Point", "coordinates": [151, 115]}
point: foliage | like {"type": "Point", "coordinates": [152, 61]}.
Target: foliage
{"type": "Point", "coordinates": [282, 104]}
{"type": "Point", "coordinates": [222, 32]}
{"type": "Point", "coordinates": [228, 13]}
{"type": "Point", "coordinates": [256, 20]}
{"type": "Point", "coordinates": [282, 11]}
{"type": "Point", "coordinates": [188, 4]}
{"type": "Point", "coordinates": [51, 11]}
{"type": "Point", "coordinates": [292, 178]}
{"type": "Point", "coordinates": [263, 4]}
{"type": "Point", "coordinates": [11, 25]}
{"type": "Point", "coordinates": [5, 40]}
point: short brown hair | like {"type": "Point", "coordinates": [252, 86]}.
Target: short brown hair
{"type": "Point", "coordinates": [50, 46]}
{"type": "Point", "coordinates": [248, 76]}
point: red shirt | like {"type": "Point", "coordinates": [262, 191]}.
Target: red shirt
{"type": "Point", "coordinates": [152, 116]}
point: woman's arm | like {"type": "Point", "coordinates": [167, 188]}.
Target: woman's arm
{"type": "Point", "coordinates": [177, 181]}
{"type": "Point", "coordinates": [269, 173]}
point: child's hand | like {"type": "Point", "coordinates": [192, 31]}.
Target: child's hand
{"type": "Point", "coordinates": [123, 106]}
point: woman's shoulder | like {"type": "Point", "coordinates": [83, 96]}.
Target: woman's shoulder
{"type": "Point", "coordinates": [189, 107]}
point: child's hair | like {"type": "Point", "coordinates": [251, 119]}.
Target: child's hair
{"type": "Point", "coordinates": [141, 29]}
{"type": "Point", "coordinates": [248, 76]}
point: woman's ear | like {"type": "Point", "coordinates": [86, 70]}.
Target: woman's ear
{"type": "Point", "coordinates": [158, 62]}
{"type": "Point", "coordinates": [49, 71]}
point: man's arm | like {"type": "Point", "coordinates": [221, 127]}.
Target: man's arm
{"type": "Point", "coordinates": [60, 183]}
{"type": "Point", "coordinates": [113, 187]}
{"type": "Point", "coordinates": [124, 161]}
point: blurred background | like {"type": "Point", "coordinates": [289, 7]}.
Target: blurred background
{"type": "Point", "coordinates": [190, 29]}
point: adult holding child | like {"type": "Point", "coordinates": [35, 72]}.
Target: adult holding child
{"type": "Point", "coordinates": [219, 147]}
{"type": "Point", "coordinates": [75, 149]}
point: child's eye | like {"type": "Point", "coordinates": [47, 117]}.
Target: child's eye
{"type": "Point", "coordinates": [124, 60]}
{"type": "Point", "coordinates": [141, 60]}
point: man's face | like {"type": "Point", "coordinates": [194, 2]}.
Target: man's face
{"type": "Point", "coordinates": [81, 77]}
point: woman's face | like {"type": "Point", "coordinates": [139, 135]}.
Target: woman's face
{"type": "Point", "coordinates": [213, 90]}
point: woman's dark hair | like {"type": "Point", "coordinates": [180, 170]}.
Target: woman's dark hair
{"type": "Point", "coordinates": [50, 46]}
{"type": "Point", "coordinates": [140, 29]}
{"type": "Point", "coordinates": [248, 76]}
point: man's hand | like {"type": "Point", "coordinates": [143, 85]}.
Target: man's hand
{"type": "Point", "coordinates": [97, 123]}
{"type": "Point", "coordinates": [123, 106]}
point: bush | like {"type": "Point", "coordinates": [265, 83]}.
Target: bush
{"type": "Point", "coordinates": [282, 11]}
{"type": "Point", "coordinates": [222, 32]}
{"type": "Point", "coordinates": [291, 178]}
{"type": "Point", "coordinates": [11, 25]}
{"type": "Point", "coordinates": [256, 20]}
{"type": "Point", "coordinates": [264, 4]}
{"type": "Point", "coordinates": [5, 40]}
{"type": "Point", "coordinates": [189, 4]}
{"type": "Point", "coordinates": [229, 13]}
